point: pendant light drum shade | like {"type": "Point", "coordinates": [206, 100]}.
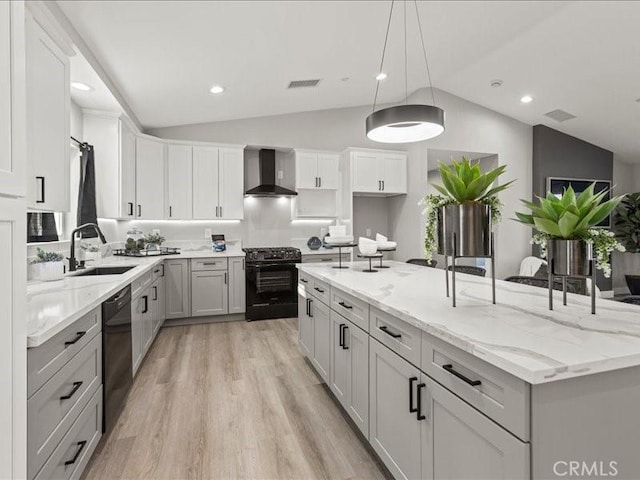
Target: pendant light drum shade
{"type": "Point", "coordinates": [405, 124]}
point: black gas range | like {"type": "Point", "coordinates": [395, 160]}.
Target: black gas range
{"type": "Point", "coordinates": [272, 282]}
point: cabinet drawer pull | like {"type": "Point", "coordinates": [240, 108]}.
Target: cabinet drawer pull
{"type": "Point", "coordinates": [303, 280]}
{"type": "Point", "coordinates": [473, 383]}
{"type": "Point", "coordinates": [76, 387]}
{"type": "Point", "coordinates": [318, 289]}
{"type": "Point", "coordinates": [412, 380]}
{"type": "Point", "coordinates": [344, 305]}
{"type": "Point", "coordinates": [81, 444]}
{"type": "Point", "coordinates": [389, 332]}
{"type": "Point", "coordinates": [419, 414]}
{"type": "Point", "coordinates": [79, 335]}
{"type": "Point", "coordinates": [41, 179]}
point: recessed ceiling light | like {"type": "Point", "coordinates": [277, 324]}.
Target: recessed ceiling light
{"type": "Point", "coordinates": [217, 89]}
{"type": "Point", "coordinates": [496, 83]}
{"type": "Point", "coordinates": [526, 99]}
{"type": "Point", "coordinates": [381, 76]}
{"type": "Point", "coordinates": [83, 87]}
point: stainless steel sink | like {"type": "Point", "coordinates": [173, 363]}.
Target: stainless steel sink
{"type": "Point", "coordinates": [103, 271]}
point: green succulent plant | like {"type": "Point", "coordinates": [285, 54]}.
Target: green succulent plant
{"type": "Point", "coordinates": [627, 222]}
{"type": "Point", "coordinates": [569, 217]}
{"type": "Point", "coordinates": [464, 182]}
{"type": "Point", "coordinates": [154, 238]}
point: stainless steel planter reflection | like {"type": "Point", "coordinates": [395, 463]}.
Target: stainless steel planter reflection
{"type": "Point", "coordinates": [471, 224]}
{"type": "Point", "coordinates": [571, 257]}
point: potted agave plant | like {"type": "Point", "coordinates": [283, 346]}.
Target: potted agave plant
{"type": "Point", "coordinates": [467, 207]}
{"type": "Point", "coordinates": [48, 266]}
{"type": "Point", "coordinates": [627, 227]}
{"type": "Point", "coordinates": [565, 226]}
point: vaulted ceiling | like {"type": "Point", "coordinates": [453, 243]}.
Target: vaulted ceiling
{"type": "Point", "coordinates": [582, 57]}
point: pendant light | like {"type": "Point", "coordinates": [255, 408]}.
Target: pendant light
{"type": "Point", "coordinates": [405, 123]}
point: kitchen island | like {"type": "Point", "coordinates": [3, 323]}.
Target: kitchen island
{"type": "Point", "coordinates": [511, 390]}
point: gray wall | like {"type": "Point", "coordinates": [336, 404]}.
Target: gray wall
{"type": "Point", "coordinates": [556, 154]}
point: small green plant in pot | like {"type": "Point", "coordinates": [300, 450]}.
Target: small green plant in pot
{"type": "Point", "coordinates": [566, 224]}
{"type": "Point", "coordinates": [467, 205]}
{"type": "Point", "coordinates": [153, 241]}
{"type": "Point", "coordinates": [48, 266]}
{"type": "Point", "coordinates": [627, 228]}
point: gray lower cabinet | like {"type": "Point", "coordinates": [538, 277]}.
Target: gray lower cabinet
{"type": "Point", "coordinates": [305, 327]}
{"type": "Point", "coordinates": [177, 292]}
{"type": "Point", "coordinates": [237, 282]}
{"type": "Point", "coordinates": [139, 306]}
{"type": "Point", "coordinates": [349, 372]}
{"type": "Point", "coordinates": [321, 322]}
{"type": "Point", "coordinates": [58, 401]}
{"type": "Point", "coordinates": [158, 305]}
{"type": "Point", "coordinates": [394, 432]}
{"type": "Point", "coordinates": [209, 293]}
{"type": "Point", "coordinates": [458, 442]}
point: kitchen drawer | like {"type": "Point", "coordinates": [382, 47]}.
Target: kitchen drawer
{"type": "Point", "coordinates": [157, 272]}
{"type": "Point", "coordinates": [319, 289]}
{"type": "Point", "coordinates": [209, 264]}
{"type": "Point", "coordinates": [398, 335]}
{"type": "Point", "coordinates": [140, 283]}
{"type": "Point", "coordinates": [350, 307]}
{"type": "Point", "coordinates": [304, 279]}
{"type": "Point", "coordinates": [49, 416]}
{"type": "Point", "coordinates": [45, 360]}
{"type": "Point", "coordinates": [501, 396]}
{"type": "Point", "coordinates": [324, 258]}
{"type": "Point", "coordinates": [78, 444]}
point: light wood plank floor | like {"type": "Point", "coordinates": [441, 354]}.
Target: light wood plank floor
{"type": "Point", "coordinates": [231, 400]}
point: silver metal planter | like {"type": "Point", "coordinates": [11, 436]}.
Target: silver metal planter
{"type": "Point", "coordinates": [465, 231]}
{"type": "Point", "coordinates": [470, 225]}
{"type": "Point", "coordinates": [571, 258]}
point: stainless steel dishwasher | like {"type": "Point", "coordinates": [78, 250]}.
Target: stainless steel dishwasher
{"type": "Point", "coordinates": [117, 367]}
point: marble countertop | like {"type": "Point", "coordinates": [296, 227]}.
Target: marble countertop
{"type": "Point", "coordinates": [53, 306]}
{"type": "Point", "coordinates": [519, 335]}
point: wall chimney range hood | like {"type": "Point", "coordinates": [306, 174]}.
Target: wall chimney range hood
{"type": "Point", "coordinates": [268, 187]}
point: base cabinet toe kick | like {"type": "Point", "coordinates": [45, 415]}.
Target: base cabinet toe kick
{"type": "Point", "coordinates": [433, 411]}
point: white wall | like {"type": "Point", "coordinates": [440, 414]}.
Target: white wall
{"type": "Point", "coordinates": [472, 128]}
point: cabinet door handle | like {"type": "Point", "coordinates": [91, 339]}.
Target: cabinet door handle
{"type": "Point", "coordinates": [318, 289]}
{"type": "Point", "coordinates": [170, 211]}
{"type": "Point", "coordinates": [386, 330]}
{"type": "Point", "coordinates": [320, 182]}
{"type": "Point", "coordinates": [341, 335]}
{"type": "Point", "coordinates": [419, 414]}
{"type": "Point", "coordinates": [139, 210]}
{"type": "Point", "coordinates": [344, 338]}
{"type": "Point", "coordinates": [473, 383]}
{"type": "Point", "coordinates": [310, 311]}
{"type": "Point", "coordinates": [316, 182]}
{"type": "Point", "coordinates": [217, 210]}
{"type": "Point", "coordinates": [76, 387]}
{"type": "Point", "coordinates": [146, 303]}
{"type": "Point", "coordinates": [75, 457]}
{"type": "Point", "coordinates": [344, 305]}
{"type": "Point", "coordinates": [162, 274]}
{"type": "Point", "coordinates": [155, 293]}
{"type": "Point", "coordinates": [130, 211]}
{"type": "Point", "coordinates": [383, 185]}
{"type": "Point", "coordinates": [308, 308]}
{"type": "Point", "coordinates": [225, 278]}
{"type": "Point", "coordinates": [79, 335]}
{"type": "Point", "coordinates": [41, 180]}
{"type": "Point", "coordinates": [220, 211]}
{"type": "Point", "coordinates": [412, 408]}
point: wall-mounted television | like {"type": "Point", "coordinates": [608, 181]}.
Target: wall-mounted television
{"type": "Point", "coordinates": [558, 185]}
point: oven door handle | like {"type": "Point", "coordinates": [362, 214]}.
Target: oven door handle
{"type": "Point", "coordinates": [287, 266]}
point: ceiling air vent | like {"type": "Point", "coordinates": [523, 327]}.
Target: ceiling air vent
{"type": "Point", "coordinates": [303, 83]}
{"type": "Point", "coordinates": [559, 115]}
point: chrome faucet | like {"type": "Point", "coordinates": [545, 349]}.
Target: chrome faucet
{"type": "Point", "coordinates": [73, 263]}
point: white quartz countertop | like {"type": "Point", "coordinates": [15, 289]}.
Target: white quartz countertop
{"type": "Point", "coordinates": [53, 306]}
{"type": "Point", "coordinates": [519, 335]}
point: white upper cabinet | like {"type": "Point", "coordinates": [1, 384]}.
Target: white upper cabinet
{"type": "Point", "coordinates": [378, 172]}
{"type": "Point", "coordinates": [114, 143]}
{"type": "Point", "coordinates": [48, 121]}
{"type": "Point", "coordinates": [12, 79]}
{"type": "Point", "coordinates": [317, 170]}
{"type": "Point", "coordinates": [149, 178]}
{"type": "Point", "coordinates": [218, 183]}
{"type": "Point", "coordinates": [231, 188]}
{"type": "Point", "coordinates": [179, 182]}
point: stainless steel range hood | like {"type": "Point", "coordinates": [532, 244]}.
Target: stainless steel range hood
{"type": "Point", "coordinates": [268, 187]}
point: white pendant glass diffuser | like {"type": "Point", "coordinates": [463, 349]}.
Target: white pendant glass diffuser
{"type": "Point", "coordinates": [405, 123]}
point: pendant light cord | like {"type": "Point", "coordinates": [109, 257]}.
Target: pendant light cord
{"type": "Point", "coordinates": [406, 75]}
{"type": "Point", "coordinates": [424, 51]}
{"type": "Point", "coordinates": [384, 49]}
